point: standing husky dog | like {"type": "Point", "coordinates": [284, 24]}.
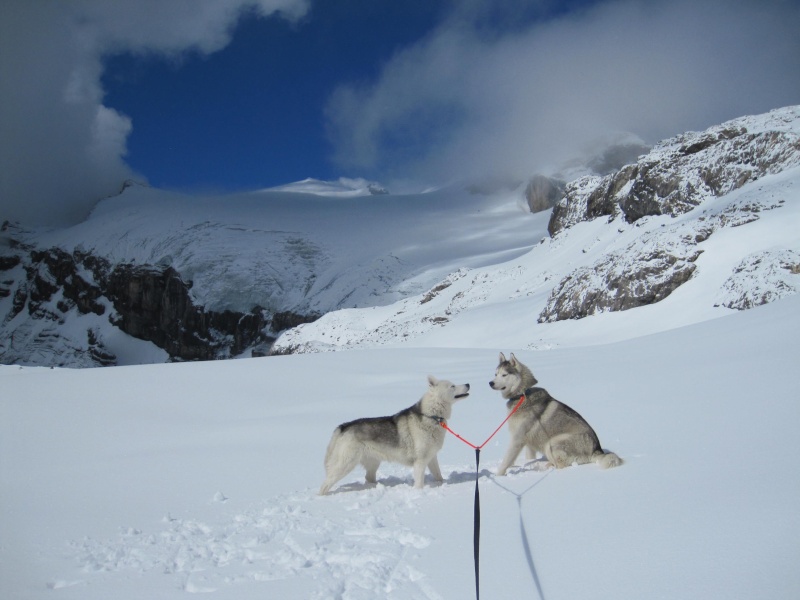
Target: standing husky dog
{"type": "Point", "coordinates": [412, 437]}
{"type": "Point", "coordinates": [543, 424]}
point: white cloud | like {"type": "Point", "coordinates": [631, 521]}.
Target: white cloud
{"type": "Point", "coordinates": [469, 101]}
{"type": "Point", "coordinates": [60, 149]}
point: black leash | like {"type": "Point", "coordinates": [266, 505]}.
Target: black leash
{"type": "Point", "coordinates": [477, 518]}
{"type": "Point", "coordinates": [477, 526]}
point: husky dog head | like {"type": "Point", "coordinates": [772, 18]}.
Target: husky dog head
{"type": "Point", "coordinates": [446, 390]}
{"type": "Point", "coordinates": [441, 395]}
{"type": "Point", "coordinates": [511, 378]}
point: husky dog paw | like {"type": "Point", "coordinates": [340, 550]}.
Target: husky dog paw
{"type": "Point", "coordinates": [541, 465]}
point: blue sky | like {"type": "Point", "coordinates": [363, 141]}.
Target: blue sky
{"type": "Point", "coordinates": [228, 95]}
{"type": "Point", "coordinates": [253, 114]}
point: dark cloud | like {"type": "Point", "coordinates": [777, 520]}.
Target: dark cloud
{"type": "Point", "coordinates": [61, 149]}
{"type": "Point", "coordinates": [471, 100]}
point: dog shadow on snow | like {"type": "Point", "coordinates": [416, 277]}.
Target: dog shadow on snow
{"type": "Point", "coordinates": [393, 481]}
{"type": "Point", "coordinates": [455, 477]}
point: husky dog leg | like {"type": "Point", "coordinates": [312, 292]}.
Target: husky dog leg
{"type": "Point", "coordinates": [419, 474]}
{"type": "Point", "coordinates": [371, 464]}
{"type": "Point", "coordinates": [606, 460]}
{"type": "Point", "coordinates": [433, 467]}
{"type": "Point", "coordinates": [514, 448]}
{"type": "Point", "coordinates": [560, 454]}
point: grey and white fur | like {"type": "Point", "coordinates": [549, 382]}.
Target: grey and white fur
{"type": "Point", "coordinates": [544, 425]}
{"type": "Point", "coordinates": [411, 437]}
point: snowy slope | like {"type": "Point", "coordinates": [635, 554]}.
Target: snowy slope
{"type": "Point", "coordinates": [300, 251]}
{"type": "Point", "coordinates": [761, 219]}
{"type": "Point", "coordinates": [155, 481]}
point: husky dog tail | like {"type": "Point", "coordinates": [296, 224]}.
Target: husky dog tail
{"type": "Point", "coordinates": [334, 459]}
{"type": "Point", "coordinates": [606, 460]}
{"type": "Point", "coordinates": [337, 434]}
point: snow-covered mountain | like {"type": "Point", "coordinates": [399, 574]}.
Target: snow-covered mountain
{"type": "Point", "coordinates": [344, 187]}
{"type": "Point", "coordinates": [705, 219]}
{"type": "Point", "coordinates": [704, 223]}
{"type": "Point", "coordinates": [152, 275]}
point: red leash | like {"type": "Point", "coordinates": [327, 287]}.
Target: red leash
{"type": "Point", "coordinates": [477, 511]}
{"type": "Point", "coordinates": [443, 423]}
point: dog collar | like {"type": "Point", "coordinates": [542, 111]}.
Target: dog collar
{"type": "Point", "coordinates": [439, 420]}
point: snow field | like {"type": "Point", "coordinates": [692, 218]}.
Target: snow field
{"type": "Point", "coordinates": [156, 481]}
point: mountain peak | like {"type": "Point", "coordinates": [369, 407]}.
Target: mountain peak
{"type": "Point", "coordinates": [341, 188]}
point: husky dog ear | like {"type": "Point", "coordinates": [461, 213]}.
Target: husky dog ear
{"type": "Point", "coordinates": [432, 381]}
{"type": "Point", "coordinates": [514, 362]}
{"type": "Point", "coordinates": [503, 357]}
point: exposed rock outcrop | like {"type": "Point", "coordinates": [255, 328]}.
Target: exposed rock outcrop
{"type": "Point", "coordinates": [660, 261]}
{"type": "Point", "coordinates": [151, 303]}
{"type": "Point", "coordinates": [760, 278]}
{"type": "Point", "coordinates": [625, 279]}
{"type": "Point", "coordinates": [684, 171]}
{"type": "Point", "coordinates": [677, 176]}
{"type": "Point", "coordinates": [154, 304]}
{"type": "Point", "coordinates": [542, 193]}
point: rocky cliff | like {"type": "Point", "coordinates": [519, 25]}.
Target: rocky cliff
{"type": "Point", "coordinates": [51, 290]}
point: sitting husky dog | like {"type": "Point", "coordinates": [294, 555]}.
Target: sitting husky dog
{"type": "Point", "coordinates": [543, 424]}
{"type": "Point", "coordinates": [412, 437]}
